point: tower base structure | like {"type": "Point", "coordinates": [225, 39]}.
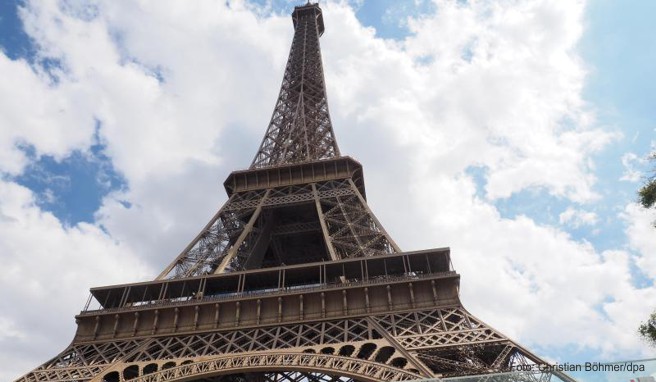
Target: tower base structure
{"type": "Point", "coordinates": [385, 318]}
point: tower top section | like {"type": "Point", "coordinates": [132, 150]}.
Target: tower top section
{"type": "Point", "coordinates": [311, 10]}
{"type": "Point", "coordinates": [300, 129]}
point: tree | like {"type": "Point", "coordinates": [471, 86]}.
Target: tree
{"type": "Point", "coordinates": [647, 193]}
{"type": "Point", "coordinates": [647, 196]}
{"type": "Point", "coordinates": [648, 329]}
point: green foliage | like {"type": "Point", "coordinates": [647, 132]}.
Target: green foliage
{"type": "Point", "coordinates": [648, 194]}
{"type": "Point", "coordinates": [648, 329]}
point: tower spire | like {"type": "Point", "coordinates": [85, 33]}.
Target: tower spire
{"type": "Point", "coordinates": [300, 129]}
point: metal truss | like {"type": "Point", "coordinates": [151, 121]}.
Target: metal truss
{"type": "Point", "coordinates": [300, 128]}
{"type": "Point", "coordinates": [438, 328]}
{"type": "Point", "coordinates": [342, 218]}
{"type": "Point", "coordinates": [374, 348]}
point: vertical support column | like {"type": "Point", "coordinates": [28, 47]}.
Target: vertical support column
{"type": "Point", "coordinates": [324, 226]}
{"type": "Point", "coordinates": [97, 326]}
{"type": "Point", "coordinates": [201, 289]}
{"type": "Point", "coordinates": [323, 305]}
{"type": "Point", "coordinates": [124, 297]}
{"type": "Point", "coordinates": [259, 310]}
{"type": "Point", "coordinates": [155, 321]}
{"type": "Point", "coordinates": [136, 323]}
{"type": "Point", "coordinates": [390, 303]}
{"type": "Point", "coordinates": [196, 308]}
{"type": "Point", "coordinates": [116, 320]}
{"type": "Point", "coordinates": [412, 295]}
{"type": "Point", "coordinates": [175, 319]}
{"type": "Point", "coordinates": [162, 291]}
{"type": "Point", "coordinates": [248, 229]}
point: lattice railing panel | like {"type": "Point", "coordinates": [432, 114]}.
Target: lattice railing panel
{"type": "Point", "coordinates": [294, 362]}
{"type": "Point", "coordinates": [92, 354]}
{"type": "Point", "coordinates": [449, 339]}
{"type": "Point", "coordinates": [64, 375]}
{"type": "Point", "coordinates": [430, 321]}
{"type": "Point", "coordinates": [260, 339]}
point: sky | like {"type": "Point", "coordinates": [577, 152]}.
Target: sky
{"type": "Point", "coordinates": [515, 132]}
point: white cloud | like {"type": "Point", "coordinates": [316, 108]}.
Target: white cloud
{"type": "Point", "coordinates": [534, 282]}
{"type": "Point", "coordinates": [641, 235]}
{"type": "Point", "coordinates": [513, 105]}
{"type": "Point", "coordinates": [629, 160]}
{"type": "Point", "coordinates": [35, 112]}
{"type": "Point", "coordinates": [492, 84]}
{"type": "Point", "coordinates": [577, 218]}
{"type": "Point", "coordinates": [48, 270]}
{"type": "Point", "coordinates": [164, 137]}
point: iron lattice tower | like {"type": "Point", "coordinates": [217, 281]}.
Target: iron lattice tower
{"type": "Point", "coordinates": [293, 279]}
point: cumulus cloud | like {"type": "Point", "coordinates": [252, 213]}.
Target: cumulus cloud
{"type": "Point", "coordinates": [181, 93]}
{"type": "Point", "coordinates": [485, 85]}
{"type": "Point", "coordinates": [535, 282]}
{"type": "Point", "coordinates": [48, 269]}
{"type": "Point", "coordinates": [577, 218]}
{"type": "Point", "coordinates": [631, 174]}
{"type": "Point", "coordinates": [640, 232]}
{"type": "Point", "coordinates": [50, 118]}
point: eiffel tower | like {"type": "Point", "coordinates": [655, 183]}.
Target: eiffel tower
{"type": "Point", "coordinates": [293, 279]}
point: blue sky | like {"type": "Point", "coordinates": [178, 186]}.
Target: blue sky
{"type": "Point", "coordinates": [71, 187]}
{"type": "Point", "coordinates": [117, 166]}
{"type": "Point", "coordinates": [616, 48]}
